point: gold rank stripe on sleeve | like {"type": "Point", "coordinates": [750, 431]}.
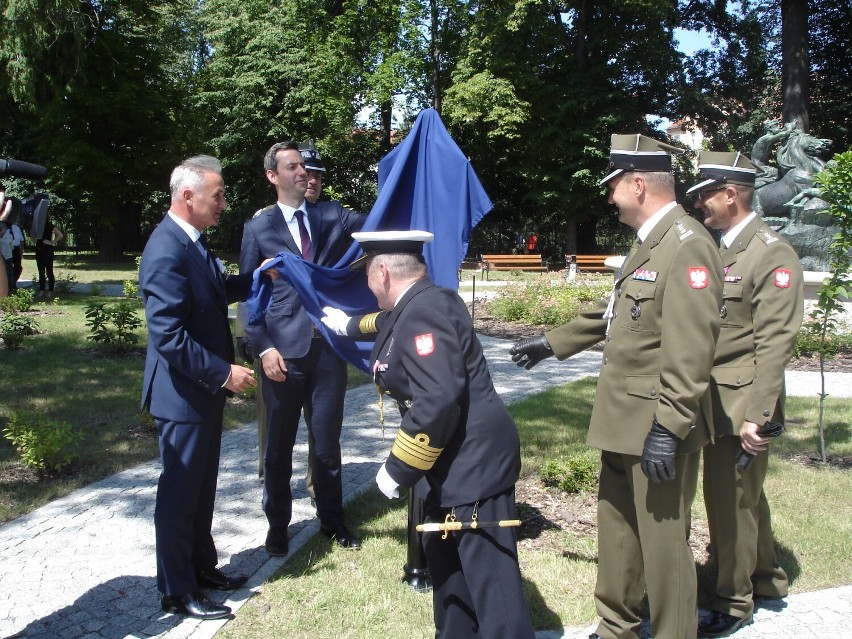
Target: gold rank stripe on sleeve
{"type": "Point", "coordinates": [415, 451]}
{"type": "Point", "coordinates": [367, 325]}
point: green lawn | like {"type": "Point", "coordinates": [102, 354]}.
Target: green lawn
{"type": "Point", "coordinates": [324, 592]}
{"type": "Point", "coordinates": [65, 377]}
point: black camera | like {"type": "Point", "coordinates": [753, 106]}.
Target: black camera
{"type": "Point", "coordinates": [31, 213]}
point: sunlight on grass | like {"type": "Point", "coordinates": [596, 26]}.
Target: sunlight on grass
{"type": "Point", "coordinates": [331, 592]}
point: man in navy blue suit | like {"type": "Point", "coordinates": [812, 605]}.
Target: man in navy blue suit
{"type": "Point", "coordinates": [300, 371]}
{"type": "Point", "coordinates": [189, 371]}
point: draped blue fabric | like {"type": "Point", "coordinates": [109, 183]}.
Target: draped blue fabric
{"type": "Point", "coordinates": [425, 183]}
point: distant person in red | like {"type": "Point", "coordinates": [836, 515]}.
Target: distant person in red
{"type": "Point", "coordinates": [532, 243]}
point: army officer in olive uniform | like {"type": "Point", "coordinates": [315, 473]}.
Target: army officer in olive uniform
{"type": "Point", "coordinates": [659, 330]}
{"type": "Point", "coordinates": [455, 432]}
{"type": "Point", "coordinates": [761, 313]}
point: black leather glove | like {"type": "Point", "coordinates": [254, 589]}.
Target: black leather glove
{"type": "Point", "coordinates": [244, 349]}
{"type": "Point", "coordinates": [530, 351]}
{"type": "Point", "coordinates": [658, 455]}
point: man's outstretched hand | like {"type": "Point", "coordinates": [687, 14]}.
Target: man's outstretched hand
{"type": "Point", "coordinates": [530, 351]}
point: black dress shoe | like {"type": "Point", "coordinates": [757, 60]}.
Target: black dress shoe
{"type": "Point", "coordinates": [276, 542]}
{"type": "Point", "coordinates": [720, 624]}
{"type": "Point", "coordinates": [341, 536]}
{"type": "Point", "coordinates": [195, 604]}
{"type": "Point", "coordinates": [218, 580]}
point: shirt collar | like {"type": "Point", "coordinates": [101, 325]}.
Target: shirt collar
{"type": "Point", "coordinates": [730, 237]}
{"type": "Point", "coordinates": [645, 230]}
{"type": "Point", "coordinates": [289, 211]}
{"type": "Point", "coordinates": [190, 230]}
{"type": "Point", "coordinates": [404, 292]}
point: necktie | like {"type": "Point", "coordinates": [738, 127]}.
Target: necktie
{"type": "Point", "coordinates": [722, 247]}
{"type": "Point", "coordinates": [303, 235]}
{"type": "Point", "coordinates": [202, 248]}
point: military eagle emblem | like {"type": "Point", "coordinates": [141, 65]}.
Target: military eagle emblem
{"type": "Point", "coordinates": [698, 277]}
{"type": "Point", "coordinates": [782, 278]}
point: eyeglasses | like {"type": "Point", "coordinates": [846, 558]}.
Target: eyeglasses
{"type": "Point", "coordinates": [704, 194]}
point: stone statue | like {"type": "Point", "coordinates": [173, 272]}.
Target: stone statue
{"type": "Point", "coordinates": [785, 194]}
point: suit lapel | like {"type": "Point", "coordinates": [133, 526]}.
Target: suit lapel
{"type": "Point", "coordinates": [317, 235]}
{"type": "Point", "coordinates": [281, 230]}
{"type": "Point", "coordinates": [215, 280]}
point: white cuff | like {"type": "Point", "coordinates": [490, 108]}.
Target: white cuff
{"type": "Point", "coordinates": [387, 485]}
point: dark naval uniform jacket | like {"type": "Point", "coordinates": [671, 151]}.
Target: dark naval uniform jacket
{"type": "Point", "coordinates": [455, 429]}
{"type": "Point", "coordinates": [762, 306]}
{"type": "Point", "coordinates": [659, 348]}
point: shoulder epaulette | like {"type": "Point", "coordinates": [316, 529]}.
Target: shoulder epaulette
{"type": "Point", "coordinates": [681, 230]}
{"type": "Point", "coordinates": [766, 235]}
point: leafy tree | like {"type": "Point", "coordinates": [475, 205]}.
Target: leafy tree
{"type": "Point", "coordinates": [535, 99]}
{"type": "Point", "coordinates": [830, 41]}
{"type": "Point", "coordinates": [835, 185]}
{"type": "Point", "coordinates": [98, 87]}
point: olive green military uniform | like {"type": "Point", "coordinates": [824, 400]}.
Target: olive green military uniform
{"type": "Point", "coordinates": [657, 357]}
{"type": "Point", "coordinates": [761, 314]}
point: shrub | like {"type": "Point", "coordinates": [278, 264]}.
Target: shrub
{"type": "Point", "coordinates": [18, 302]}
{"type": "Point", "coordinates": [548, 303]}
{"type": "Point", "coordinates": [576, 473]}
{"type": "Point", "coordinates": [113, 325]}
{"type": "Point", "coordinates": [131, 286]}
{"type": "Point", "coordinates": [15, 328]}
{"type": "Point", "coordinates": [65, 282]}
{"type": "Point", "coordinates": [43, 444]}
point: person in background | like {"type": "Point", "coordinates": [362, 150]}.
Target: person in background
{"type": "Point", "coordinates": [659, 330]}
{"type": "Point", "coordinates": [18, 241]}
{"type": "Point", "coordinates": [761, 311]}
{"type": "Point", "coordinates": [18, 244]}
{"type": "Point", "coordinates": [44, 255]}
{"type": "Point", "coordinates": [7, 252]}
{"type": "Point", "coordinates": [455, 433]}
{"type": "Point", "coordinates": [189, 372]}
{"type": "Point", "coordinates": [532, 243]}
{"type": "Point", "coordinates": [300, 372]}
{"type": "Point", "coordinates": [5, 211]}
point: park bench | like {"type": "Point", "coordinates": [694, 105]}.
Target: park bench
{"type": "Point", "coordinates": [588, 263]}
{"type": "Point", "coordinates": [512, 263]}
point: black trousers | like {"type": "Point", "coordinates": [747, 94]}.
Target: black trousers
{"type": "Point", "coordinates": [44, 254]}
{"type": "Point", "coordinates": [477, 584]}
{"type": "Point", "coordinates": [316, 384]}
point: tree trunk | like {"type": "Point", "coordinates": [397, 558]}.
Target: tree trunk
{"type": "Point", "coordinates": [110, 247]}
{"type": "Point", "coordinates": [435, 57]}
{"type": "Point", "coordinates": [795, 66]}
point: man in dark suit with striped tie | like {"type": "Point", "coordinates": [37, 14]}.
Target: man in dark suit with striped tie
{"type": "Point", "coordinates": [300, 371]}
{"type": "Point", "coordinates": [189, 372]}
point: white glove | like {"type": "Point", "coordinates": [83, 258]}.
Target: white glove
{"type": "Point", "coordinates": [335, 319]}
{"type": "Point", "coordinates": [387, 485]}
